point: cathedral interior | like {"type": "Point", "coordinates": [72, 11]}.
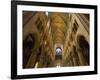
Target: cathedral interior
{"type": "Point", "coordinates": [55, 39]}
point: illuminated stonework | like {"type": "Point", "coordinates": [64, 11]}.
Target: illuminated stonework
{"type": "Point", "coordinates": [55, 39]}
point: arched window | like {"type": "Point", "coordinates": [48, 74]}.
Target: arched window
{"type": "Point", "coordinates": [29, 41]}
{"type": "Point", "coordinates": [82, 42]}
{"type": "Point", "coordinates": [84, 47]}
{"type": "Point", "coordinates": [28, 45]}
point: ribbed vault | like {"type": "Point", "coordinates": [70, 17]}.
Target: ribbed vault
{"type": "Point", "coordinates": [58, 27]}
{"type": "Point", "coordinates": [44, 33]}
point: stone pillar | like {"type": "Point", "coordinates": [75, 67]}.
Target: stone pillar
{"type": "Point", "coordinates": [81, 57]}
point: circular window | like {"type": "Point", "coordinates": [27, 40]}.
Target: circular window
{"type": "Point", "coordinates": [58, 51]}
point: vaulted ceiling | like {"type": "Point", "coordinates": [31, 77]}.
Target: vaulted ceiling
{"type": "Point", "coordinates": [58, 27]}
{"type": "Point", "coordinates": [50, 31]}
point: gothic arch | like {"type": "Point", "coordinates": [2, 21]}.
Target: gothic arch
{"type": "Point", "coordinates": [83, 45]}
